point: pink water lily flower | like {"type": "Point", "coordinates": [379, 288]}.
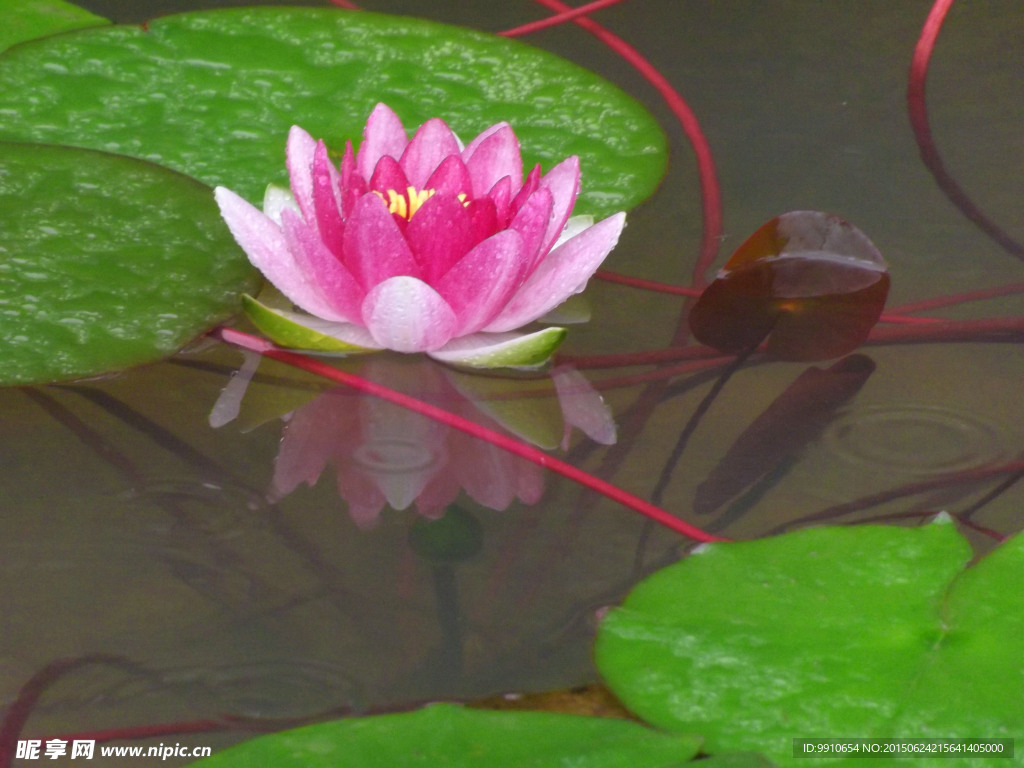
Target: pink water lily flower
{"type": "Point", "coordinates": [421, 245]}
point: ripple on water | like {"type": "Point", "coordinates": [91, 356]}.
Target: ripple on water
{"type": "Point", "coordinates": [914, 439]}
{"type": "Point", "coordinates": [282, 688]}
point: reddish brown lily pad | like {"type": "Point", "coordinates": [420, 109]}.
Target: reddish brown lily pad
{"type": "Point", "coordinates": [807, 284]}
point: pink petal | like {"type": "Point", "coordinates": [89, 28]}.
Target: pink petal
{"type": "Point", "coordinates": [480, 285]}
{"type": "Point", "coordinates": [353, 186]}
{"type": "Point", "coordinates": [444, 230]}
{"type": "Point", "coordinates": [299, 153]}
{"type": "Point", "coordinates": [388, 175]}
{"type": "Point", "coordinates": [407, 315]}
{"type": "Point", "coordinates": [451, 178]}
{"type": "Point", "coordinates": [383, 135]}
{"type": "Point", "coordinates": [530, 184]}
{"type": "Point", "coordinates": [562, 273]}
{"type": "Point", "coordinates": [433, 142]}
{"type": "Point", "coordinates": [531, 222]}
{"type": "Point", "coordinates": [501, 196]}
{"type": "Point", "coordinates": [563, 181]}
{"type": "Point", "coordinates": [267, 248]}
{"type": "Point", "coordinates": [336, 284]}
{"type": "Point", "coordinates": [492, 156]}
{"type": "Point", "coordinates": [374, 246]}
{"type": "Point", "coordinates": [327, 199]}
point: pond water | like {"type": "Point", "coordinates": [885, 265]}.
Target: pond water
{"type": "Point", "coordinates": [205, 573]}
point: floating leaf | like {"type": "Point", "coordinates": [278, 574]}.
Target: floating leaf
{"type": "Point", "coordinates": [870, 631]}
{"type": "Point", "coordinates": [453, 736]}
{"type": "Point", "coordinates": [812, 284]}
{"type": "Point", "coordinates": [214, 93]}
{"type": "Point", "coordinates": [28, 19]}
{"type": "Point", "coordinates": [105, 262]}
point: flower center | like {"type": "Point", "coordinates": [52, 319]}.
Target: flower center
{"type": "Point", "coordinates": [405, 204]}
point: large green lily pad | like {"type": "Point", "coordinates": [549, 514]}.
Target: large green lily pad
{"type": "Point", "coordinates": [212, 94]}
{"type": "Point", "coordinates": [105, 262]}
{"type": "Point", "coordinates": [857, 632]}
{"type": "Point", "coordinates": [455, 737]}
{"type": "Point", "coordinates": [28, 19]}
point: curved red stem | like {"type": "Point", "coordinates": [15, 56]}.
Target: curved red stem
{"type": "Point", "coordinates": [711, 198]}
{"type": "Point", "coordinates": [923, 133]}
{"type": "Point", "coordinates": [558, 18]}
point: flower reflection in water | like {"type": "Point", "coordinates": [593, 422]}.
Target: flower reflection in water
{"type": "Point", "coordinates": [386, 455]}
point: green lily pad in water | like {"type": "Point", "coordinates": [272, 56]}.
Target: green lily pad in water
{"type": "Point", "coordinates": [105, 262]}
{"type": "Point", "coordinates": [456, 737]}
{"type": "Point", "coordinates": [213, 94]}
{"type": "Point", "coordinates": [28, 19]}
{"type": "Point", "coordinates": [865, 632]}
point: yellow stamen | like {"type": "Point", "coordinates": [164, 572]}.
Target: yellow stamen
{"type": "Point", "coordinates": [406, 205]}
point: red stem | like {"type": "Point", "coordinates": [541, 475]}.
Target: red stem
{"type": "Point", "coordinates": [918, 110]}
{"type": "Point", "coordinates": [992, 329]}
{"type": "Point", "coordinates": [528, 452]}
{"type": "Point", "coordinates": [558, 18]}
{"type": "Point", "coordinates": [19, 711]}
{"type": "Point", "coordinates": [647, 285]}
{"type": "Point", "coordinates": [710, 195]}
{"type": "Point", "coordinates": [961, 298]}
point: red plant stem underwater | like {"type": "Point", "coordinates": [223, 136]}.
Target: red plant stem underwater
{"type": "Point", "coordinates": [528, 452]}
{"type": "Point", "coordinates": [559, 18]}
{"type": "Point", "coordinates": [923, 133]}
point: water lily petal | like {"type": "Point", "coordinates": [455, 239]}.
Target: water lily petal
{"type": "Point", "coordinates": [299, 153]}
{"type": "Point", "coordinates": [564, 183]}
{"type": "Point", "coordinates": [432, 143]}
{"type": "Point", "coordinates": [481, 283]}
{"type": "Point", "coordinates": [374, 246]}
{"type": "Point", "coordinates": [264, 243]}
{"type": "Point", "coordinates": [530, 184]}
{"type": "Point", "coordinates": [451, 178]}
{"type": "Point", "coordinates": [501, 350]}
{"type": "Point", "coordinates": [492, 156]}
{"type": "Point", "coordinates": [407, 315]}
{"type": "Point", "coordinates": [531, 222]}
{"type": "Point", "coordinates": [501, 196]}
{"type": "Point", "coordinates": [388, 175]}
{"type": "Point", "coordinates": [573, 227]}
{"type": "Point", "coordinates": [383, 135]}
{"type": "Point", "coordinates": [327, 199]}
{"type": "Point", "coordinates": [562, 273]}
{"type": "Point", "coordinates": [353, 185]}
{"type": "Point", "coordinates": [444, 231]}
{"type": "Point", "coordinates": [335, 283]}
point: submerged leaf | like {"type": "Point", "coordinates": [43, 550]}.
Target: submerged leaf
{"type": "Point", "coordinates": [809, 284]}
{"type": "Point", "coordinates": [107, 262]}
{"type": "Point", "coordinates": [870, 631]}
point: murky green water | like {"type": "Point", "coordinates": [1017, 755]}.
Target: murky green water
{"type": "Point", "coordinates": [133, 528]}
